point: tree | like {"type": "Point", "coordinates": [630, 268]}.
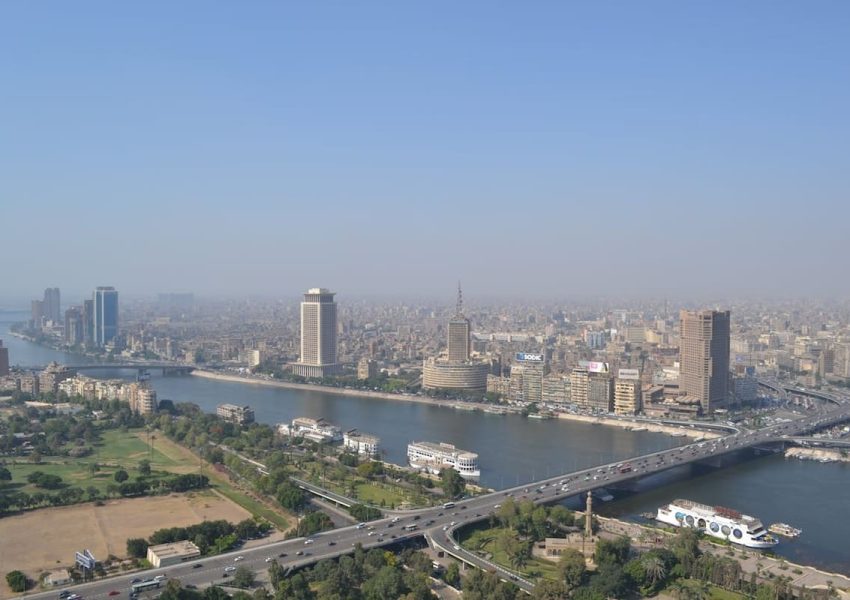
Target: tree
{"type": "Point", "coordinates": [121, 476]}
{"type": "Point", "coordinates": [572, 567]}
{"type": "Point", "coordinates": [550, 590]}
{"type": "Point", "coordinates": [144, 467]}
{"type": "Point", "coordinates": [452, 483]}
{"type": "Point", "coordinates": [17, 581]}
{"type": "Point", "coordinates": [5, 474]}
{"type": "Point", "coordinates": [613, 551]}
{"type": "Point", "coordinates": [385, 584]}
{"type": "Point", "coordinates": [243, 577]}
{"type": "Point", "coordinates": [654, 568]}
{"type": "Point", "coordinates": [452, 575]}
{"type": "Point", "coordinates": [137, 547]}
{"type": "Point", "coordinates": [291, 496]}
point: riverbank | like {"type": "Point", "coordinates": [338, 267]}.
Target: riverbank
{"type": "Point", "coordinates": [753, 562]}
{"type": "Point", "coordinates": [313, 387]}
{"type": "Point", "coordinates": [648, 426]}
{"type": "Point", "coordinates": [817, 454]}
{"type": "Point", "coordinates": [457, 404]}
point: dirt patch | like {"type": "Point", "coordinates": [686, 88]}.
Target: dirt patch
{"type": "Point", "coordinates": [46, 539]}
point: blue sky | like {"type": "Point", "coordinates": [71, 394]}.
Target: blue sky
{"type": "Point", "coordinates": [549, 148]}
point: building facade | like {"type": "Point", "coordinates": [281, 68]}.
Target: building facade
{"type": "Point", "coordinates": [627, 396]}
{"type": "Point", "coordinates": [467, 376]}
{"type": "Point", "coordinates": [241, 415]}
{"type": "Point", "coordinates": [318, 335]}
{"type": "Point", "coordinates": [4, 360]}
{"type": "Point", "coordinates": [105, 318]}
{"type": "Point", "coordinates": [704, 357]}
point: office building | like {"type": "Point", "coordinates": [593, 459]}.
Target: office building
{"type": "Point", "coordinates": [318, 335]}
{"type": "Point", "coordinates": [600, 392]}
{"type": "Point", "coordinates": [52, 310]}
{"type": "Point", "coordinates": [36, 314]}
{"type": "Point", "coordinates": [528, 371]}
{"type": "Point", "coordinates": [50, 378]}
{"type": "Point", "coordinates": [556, 389]}
{"type": "Point", "coordinates": [88, 322]}
{"type": "Point", "coordinates": [464, 376]}
{"type": "Point", "coordinates": [704, 357]}
{"type": "Point", "coordinates": [579, 383]}
{"type": "Point", "coordinates": [459, 335]}
{"type": "Point", "coordinates": [4, 360]}
{"type": "Point", "coordinates": [627, 392]}
{"type": "Point", "coordinates": [105, 321]}
{"type": "Point", "coordinates": [74, 332]}
{"type": "Point", "coordinates": [241, 415]}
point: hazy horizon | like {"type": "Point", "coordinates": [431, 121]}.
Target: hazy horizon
{"type": "Point", "coordinates": [635, 150]}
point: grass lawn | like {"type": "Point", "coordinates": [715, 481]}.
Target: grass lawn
{"type": "Point", "coordinates": [130, 447]}
{"type": "Point", "coordinates": [375, 493]}
{"type": "Point", "coordinates": [718, 593]}
{"type": "Point", "coordinates": [115, 450]}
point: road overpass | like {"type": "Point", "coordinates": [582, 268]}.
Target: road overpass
{"type": "Point", "coordinates": [439, 524]}
{"type": "Point", "coordinates": [140, 366]}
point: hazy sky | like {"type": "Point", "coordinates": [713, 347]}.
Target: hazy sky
{"type": "Point", "coordinates": [396, 147]}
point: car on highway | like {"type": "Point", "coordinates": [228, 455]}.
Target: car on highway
{"type": "Point", "coordinates": [197, 565]}
{"type": "Point", "coordinates": [133, 580]}
{"type": "Point", "coordinates": [282, 555]}
{"type": "Point", "coordinates": [238, 558]}
{"type": "Point", "coordinates": [114, 593]}
{"type": "Point", "coordinates": [229, 569]}
{"type": "Point", "coordinates": [269, 558]}
{"type": "Point", "coordinates": [309, 541]}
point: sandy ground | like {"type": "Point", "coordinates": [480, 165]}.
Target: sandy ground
{"type": "Point", "coordinates": [46, 539]}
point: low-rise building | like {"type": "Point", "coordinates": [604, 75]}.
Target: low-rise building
{"type": "Point", "coordinates": [241, 415]}
{"type": "Point", "coordinates": [362, 443]}
{"type": "Point", "coordinates": [367, 368]}
{"type": "Point", "coordinates": [165, 555]}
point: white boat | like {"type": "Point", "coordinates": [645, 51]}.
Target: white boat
{"type": "Point", "coordinates": [717, 521]}
{"type": "Point", "coordinates": [431, 457]}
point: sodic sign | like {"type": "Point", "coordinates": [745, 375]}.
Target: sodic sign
{"type": "Point", "coordinates": [527, 357]}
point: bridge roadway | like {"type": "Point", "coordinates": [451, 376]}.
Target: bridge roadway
{"type": "Point", "coordinates": [438, 524]}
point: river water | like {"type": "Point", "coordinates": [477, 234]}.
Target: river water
{"type": "Point", "coordinates": [514, 450]}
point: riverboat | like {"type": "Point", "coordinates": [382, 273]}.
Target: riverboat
{"type": "Point", "coordinates": [785, 529]}
{"type": "Point", "coordinates": [717, 521]}
{"type": "Point", "coordinates": [431, 457]}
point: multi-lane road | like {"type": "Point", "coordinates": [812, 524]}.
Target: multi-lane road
{"type": "Point", "coordinates": [438, 524]}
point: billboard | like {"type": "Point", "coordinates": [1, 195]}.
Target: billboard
{"type": "Point", "coordinates": [529, 357]}
{"type": "Point", "coordinates": [85, 559]}
{"type": "Point", "coordinates": [631, 374]}
{"type": "Point", "coordinates": [594, 367]}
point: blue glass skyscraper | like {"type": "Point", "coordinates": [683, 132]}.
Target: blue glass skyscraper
{"type": "Point", "coordinates": [105, 304]}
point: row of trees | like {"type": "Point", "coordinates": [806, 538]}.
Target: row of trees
{"type": "Point", "coordinates": [211, 537]}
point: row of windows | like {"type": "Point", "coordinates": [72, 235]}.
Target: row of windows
{"type": "Point", "coordinates": [701, 524]}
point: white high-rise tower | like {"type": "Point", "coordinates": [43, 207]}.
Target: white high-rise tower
{"type": "Point", "coordinates": [318, 335]}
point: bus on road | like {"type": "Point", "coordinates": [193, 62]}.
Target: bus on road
{"type": "Point", "coordinates": [145, 585]}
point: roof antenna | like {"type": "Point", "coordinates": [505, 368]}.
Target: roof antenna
{"type": "Point", "coordinates": [459, 299]}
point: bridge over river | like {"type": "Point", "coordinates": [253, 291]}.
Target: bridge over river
{"type": "Point", "coordinates": [438, 525]}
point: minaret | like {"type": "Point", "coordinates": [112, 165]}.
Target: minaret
{"type": "Point", "coordinates": [588, 516]}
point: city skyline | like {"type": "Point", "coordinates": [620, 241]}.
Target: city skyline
{"type": "Point", "coordinates": [566, 150]}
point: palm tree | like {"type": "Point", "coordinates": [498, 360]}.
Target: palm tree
{"type": "Point", "coordinates": [655, 569]}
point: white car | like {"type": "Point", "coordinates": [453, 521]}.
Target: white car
{"type": "Point", "coordinates": [229, 569]}
{"type": "Point", "coordinates": [270, 558]}
{"type": "Point", "coordinates": [238, 558]}
{"type": "Point", "coordinates": [309, 541]}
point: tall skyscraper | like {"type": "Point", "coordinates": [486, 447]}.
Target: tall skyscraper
{"type": "Point", "coordinates": [459, 332]}
{"type": "Point", "coordinates": [88, 322]}
{"type": "Point", "coordinates": [318, 335]}
{"type": "Point", "coordinates": [37, 313]}
{"type": "Point", "coordinates": [105, 306]}
{"type": "Point", "coordinates": [74, 332]}
{"type": "Point", "coordinates": [52, 310]}
{"type": "Point", "coordinates": [704, 357]}
{"type": "Point", "coordinates": [4, 360]}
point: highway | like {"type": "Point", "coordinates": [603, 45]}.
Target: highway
{"type": "Point", "coordinates": [438, 524]}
